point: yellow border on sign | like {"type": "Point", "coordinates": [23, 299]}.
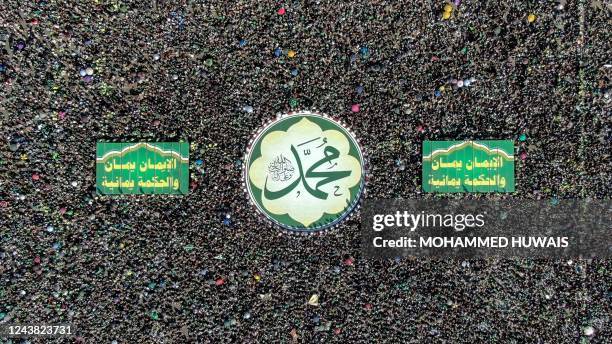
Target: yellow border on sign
{"type": "Point", "coordinates": [461, 145]}
{"type": "Point", "coordinates": [132, 148]}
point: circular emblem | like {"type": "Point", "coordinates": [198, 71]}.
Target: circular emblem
{"type": "Point", "coordinates": [305, 172]}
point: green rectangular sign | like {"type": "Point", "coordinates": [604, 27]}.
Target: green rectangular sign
{"type": "Point", "coordinates": [468, 166]}
{"type": "Point", "coordinates": [142, 168]}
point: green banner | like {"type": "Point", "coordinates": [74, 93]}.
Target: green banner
{"type": "Point", "coordinates": [142, 168]}
{"type": "Point", "coordinates": [468, 166]}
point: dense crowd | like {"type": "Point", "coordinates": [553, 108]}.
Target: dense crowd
{"type": "Point", "coordinates": [207, 267]}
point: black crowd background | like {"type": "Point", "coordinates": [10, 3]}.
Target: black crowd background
{"type": "Point", "coordinates": [207, 267]}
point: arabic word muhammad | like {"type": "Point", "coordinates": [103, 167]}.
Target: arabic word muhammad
{"type": "Point", "coordinates": [142, 168]}
{"type": "Point", "coordinates": [468, 166]}
{"type": "Point", "coordinates": [304, 172]}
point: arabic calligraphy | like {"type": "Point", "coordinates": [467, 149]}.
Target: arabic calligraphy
{"type": "Point", "coordinates": [281, 169]}
{"type": "Point", "coordinates": [142, 168]}
{"type": "Point", "coordinates": [496, 180]}
{"type": "Point", "coordinates": [472, 166]}
{"type": "Point", "coordinates": [495, 162]}
{"type": "Point", "coordinates": [169, 164]}
{"type": "Point", "coordinates": [304, 171]}
{"type": "Point", "coordinates": [330, 153]}
{"type": "Point", "coordinates": [151, 183]}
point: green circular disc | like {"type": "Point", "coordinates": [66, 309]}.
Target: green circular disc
{"type": "Point", "coordinates": [304, 172]}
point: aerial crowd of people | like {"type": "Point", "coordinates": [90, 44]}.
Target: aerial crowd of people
{"type": "Point", "coordinates": [207, 266]}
